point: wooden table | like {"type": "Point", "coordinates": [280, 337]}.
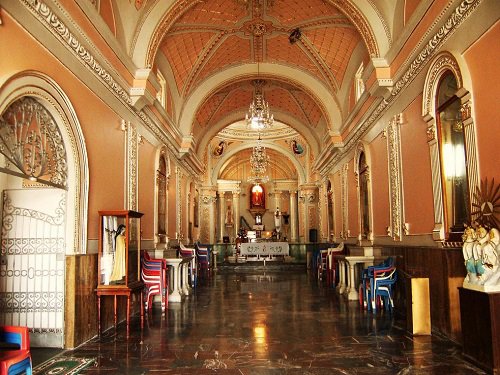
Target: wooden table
{"type": "Point", "coordinates": [120, 290]}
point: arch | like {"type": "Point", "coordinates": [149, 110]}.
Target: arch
{"type": "Point", "coordinates": [145, 40]}
{"type": "Point", "coordinates": [51, 96]}
{"type": "Point", "coordinates": [312, 138]}
{"type": "Point", "coordinates": [220, 163]}
{"type": "Point", "coordinates": [325, 98]}
{"type": "Point", "coordinates": [157, 21]}
{"type": "Point", "coordinates": [369, 23]}
{"type": "Point", "coordinates": [442, 63]}
{"type": "Point", "coordinates": [362, 171]}
{"type": "Point", "coordinates": [161, 196]}
{"type": "Point", "coordinates": [445, 63]}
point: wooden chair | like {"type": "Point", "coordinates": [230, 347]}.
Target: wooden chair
{"type": "Point", "coordinates": [16, 360]}
{"type": "Point", "coordinates": [154, 277]}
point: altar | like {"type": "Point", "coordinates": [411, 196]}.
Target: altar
{"type": "Point", "coordinates": [268, 250]}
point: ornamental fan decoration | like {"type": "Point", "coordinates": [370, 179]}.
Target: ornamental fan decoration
{"type": "Point", "coordinates": [32, 145]}
{"type": "Point", "coordinates": [487, 204]}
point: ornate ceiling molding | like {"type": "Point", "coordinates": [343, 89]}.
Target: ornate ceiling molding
{"type": "Point", "coordinates": [61, 31]}
{"type": "Point", "coordinates": [362, 25]}
{"type": "Point", "coordinates": [450, 25]}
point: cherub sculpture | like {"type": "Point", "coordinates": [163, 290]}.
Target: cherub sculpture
{"type": "Point", "coordinates": [481, 251]}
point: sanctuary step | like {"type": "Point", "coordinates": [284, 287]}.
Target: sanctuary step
{"type": "Point", "coordinates": [258, 266]}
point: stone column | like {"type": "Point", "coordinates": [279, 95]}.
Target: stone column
{"type": "Point", "coordinates": [277, 200]}
{"type": "Point", "coordinates": [207, 215]}
{"type": "Point", "coordinates": [222, 216]}
{"type": "Point", "coordinates": [236, 213]}
{"type": "Point", "coordinates": [308, 210]}
{"type": "Point", "coordinates": [293, 216]}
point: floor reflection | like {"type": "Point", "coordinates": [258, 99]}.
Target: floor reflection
{"type": "Point", "coordinates": [269, 323]}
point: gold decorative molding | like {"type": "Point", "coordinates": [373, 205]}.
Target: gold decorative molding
{"type": "Point", "coordinates": [60, 30]}
{"type": "Point", "coordinates": [441, 64]}
{"type": "Point", "coordinates": [450, 25]}
{"type": "Point", "coordinates": [131, 160]}
{"type": "Point", "coordinates": [395, 178]}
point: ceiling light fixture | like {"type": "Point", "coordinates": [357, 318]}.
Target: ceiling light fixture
{"type": "Point", "coordinates": [259, 160]}
{"type": "Point", "coordinates": [258, 116]}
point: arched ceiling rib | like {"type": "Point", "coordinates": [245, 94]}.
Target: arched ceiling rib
{"type": "Point", "coordinates": [214, 48]}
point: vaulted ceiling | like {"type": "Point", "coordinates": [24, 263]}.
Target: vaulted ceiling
{"type": "Point", "coordinates": [211, 51]}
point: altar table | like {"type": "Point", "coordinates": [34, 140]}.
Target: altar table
{"type": "Point", "coordinates": [265, 249]}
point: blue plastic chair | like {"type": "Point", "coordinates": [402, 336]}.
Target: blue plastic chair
{"type": "Point", "coordinates": [383, 289]}
{"type": "Point", "coordinates": [368, 275]}
{"type": "Point", "coordinates": [17, 360]}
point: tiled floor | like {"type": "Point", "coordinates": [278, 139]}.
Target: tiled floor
{"type": "Point", "coordinates": [266, 322]}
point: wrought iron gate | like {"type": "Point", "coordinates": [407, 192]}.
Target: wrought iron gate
{"type": "Point", "coordinates": [32, 263]}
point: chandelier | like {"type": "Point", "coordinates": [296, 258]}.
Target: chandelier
{"type": "Point", "coordinates": [258, 116]}
{"type": "Point", "coordinates": [259, 161]}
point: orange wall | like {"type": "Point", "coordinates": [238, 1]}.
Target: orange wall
{"type": "Point", "coordinates": [423, 27]}
{"type": "Point", "coordinates": [146, 188]}
{"type": "Point", "coordinates": [410, 6]}
{"type": "Point", "coordinates": [171, 207]}
{"type": "Point", "coordinates": [380, 186]}
{"type": "Point", "coordinates": [337, 199]}
{"type": "Point", "coordinates": [417, 178]}
{"type": "Point", "coordinates": [482, 60]}
{"type": "Point", "coordinates": [103, 139]}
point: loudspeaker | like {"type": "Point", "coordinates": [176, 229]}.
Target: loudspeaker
{"type": "Point", "coordinates": [313, 235]}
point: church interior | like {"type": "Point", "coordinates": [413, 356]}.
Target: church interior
{"type": "Point", "coordinates": [251, 156]}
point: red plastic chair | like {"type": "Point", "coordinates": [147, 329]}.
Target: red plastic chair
{"type": "Point", "coordinates": [16, 360]}
{"type": "Point", "coordinates": [154, 277]}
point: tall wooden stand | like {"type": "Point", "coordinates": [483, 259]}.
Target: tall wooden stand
{"type": "Point", "coordinates": [480, 319]}
{"type": "Point", "coordinates": [119, 260]}
{"type": "Point", "coordinates": [120, 291]}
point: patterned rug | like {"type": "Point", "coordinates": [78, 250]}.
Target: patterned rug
{"type": "Point", "coordinates": [63, 366]}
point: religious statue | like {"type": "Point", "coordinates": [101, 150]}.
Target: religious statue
{"type": "Point", "coordinates": [277, 221]}
{"type": "Point", "coordinates": [481, 250]}
{"type": "Point", "coordinates": [229, 216]}
{"type": "Point", "coordinates": [469, 253]}
{"type": "Point", "coordinates": [119, 270]}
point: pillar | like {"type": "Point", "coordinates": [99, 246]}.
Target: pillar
{"type": "Point", "coordinates": [293, 216]}
{"type": "Point", "coordinates": [236, 212]}
{"type": "Point", "coordinates": [222, 216]}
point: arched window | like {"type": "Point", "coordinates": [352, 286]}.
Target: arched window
{"type": "Point", "coordinates": [161, 180]}
{"type": "Point", "coordinates": [451, 136]}
{"type": "Point", "coordinates": [161, 95]}
{"type": "Point", "coordinates": [363, 197]}
{"type": "Point", "coordinates": [453, 156]}
{"type": "Point", "coordinates": [359, 83]}
{"type": "Point", "coordinates": [257, 197]}
{"type": "Point", "coordinates": [331, 227]}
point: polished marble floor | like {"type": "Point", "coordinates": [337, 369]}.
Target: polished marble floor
{"type": "Point", "coordinates": [269, 322]}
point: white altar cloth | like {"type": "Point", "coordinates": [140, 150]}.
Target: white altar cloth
{"type": "Point", "coordinates": [264, 248]}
